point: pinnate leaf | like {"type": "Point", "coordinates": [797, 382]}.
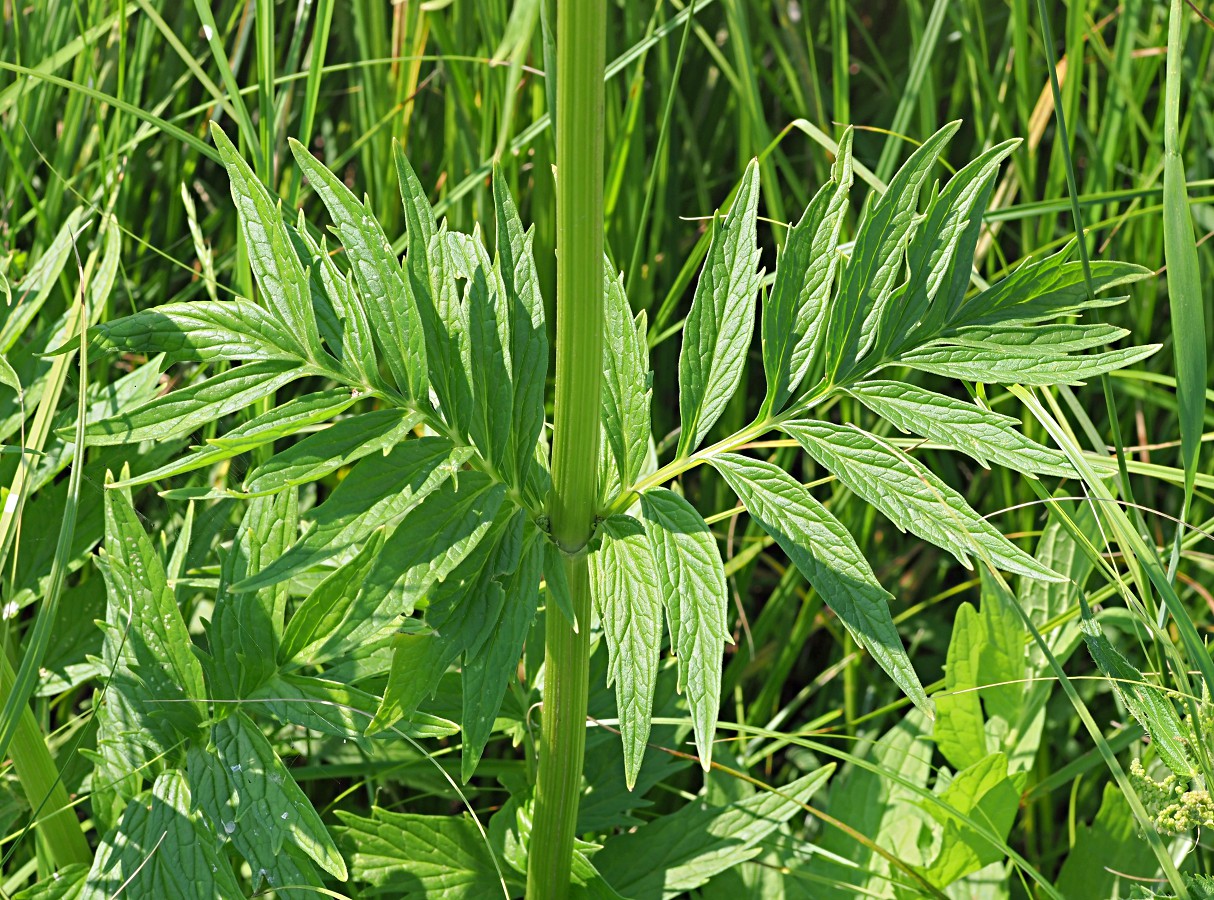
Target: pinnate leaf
{"type": "Point", "coordinates": [408, 855]}
{"type": "Point", "coordinates": [1146, 702]}
{"type": "Point", "coordinates": [249, 795]}
{"type": "Point", "coordinates": [796, 309]}
{"type": "Point", "coordinates": [624, 583]}
{"type": "Point", "coordinates": [626, 387]}
{"type": "Point", "coordinates": [379, 491]}
{"type": "Point", "coordinates": [720, 323]}
{"type": "Point", "coordinates": [523, 306]}
{"type": "Point", "coordinates": [342, 443]}
{"type": "Point", "coordinates": [146, 641]}
{"type": "Point", "coordinates": [996, 362]}
{"type": "Point", "coordinates": [183, 411]}
{"type": "Point", "coordinates": [677, 853]}
{"type": "Point", "coordinates": [693, 589]}
{"type": "Point", "coordinates": [983, 434]}
{"type": "Point", "coordinates": [912, 497]}
{"type": "Point", "coordinates": [388, 299]}
{"type": "Point", "coordinates": [877, 258]}
{"type": "Point", "coordinates": [159, 848]}
{"type": "Point", "coordinates": [827, 555]}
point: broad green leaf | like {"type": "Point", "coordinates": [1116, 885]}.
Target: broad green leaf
{"type": "Point", "coordinates": [341, 444]}
{"type": "Point", "coordinates": [940, 256]}
{"type": "Point", "coordinates": [983, 434]}
{"type": "Point", "coordinates": [279, 273]}
{"type": "Point", "coordinates": [1047, 288]}
{"type": "Point", "coordinates": [1145, 701]}
{"type": "Point", "coordinates": [876, 261]}
{"type": "Point", "coordinates": [197, 332]}
{"type": "Point", "coordinates": [1002, 662]}
{"type": "Point", "coordinates": [795, 311]}
{"type": "Point", "coordinates": [997, 363]}
{"type": "Point", "coordinates": [160, 849]}
{"type": "Point", "coordinates": [412, 856]}
{"type": "Point", "coordinates": [1112, 842]}
{"type": "Point", "coordinates": [329, 707]}
{"type": "Point", "coordinates": [146, 640]}
{"type": "Point", "coordinates": [183, 411]}
{"type": "Point", "coordinates": [246, 628]}
{"type": "Point", "coordinates": [985, 794]}
{"type": "Point", "coordinates": [959, 728]}
{"type": "Point", "coordinates": [625, 585]}
{"type": "Point", "coordinates": [510, 836]}
{"type": "Point", "coordinates": [910, 496]}
{"type": "Point", "coordinates": [431, 276]}
{"type": "Point", "coordinates": [691, 577]}
{"type": "Point", "coordinates": [1042, 600]}
{"type": "Point", "coordinates": [489, 669]}
{"type": "Point", "coordinates": [379, 491]}
{"type": "Point", "coordinates": [681, 851]}
{"type": "Point", "coordinates": [249, 795]}
{"type": "Point", "coordinates": [828, 557]}
{"type": "Point", "coordinates": [874, 804]}
{"type": "Point", "coordinates": [524, 309]}
{"type": "Point", "coordinates": [8, 376]}
{"type": "Point", "coordinates": [287, 419]}
{"type": "Point", "coordinates": [459, 523]}
{"type": "Point", "coordinates": [627, 392]}
{"type": "Point", "coordinates": [386, 295]}
{"type": "Point", "coordinates": [720, 324]}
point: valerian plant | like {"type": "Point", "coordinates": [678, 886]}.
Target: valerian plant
{"type": "Point", "coordinates": [424, 387]}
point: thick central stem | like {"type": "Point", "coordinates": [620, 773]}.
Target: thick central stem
{"type": "Point", "coordinates": [581, 29]}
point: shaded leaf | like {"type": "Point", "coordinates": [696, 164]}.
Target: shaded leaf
{"type": "Point", "coordinates": [341, 444]}
{"type": "Point", "coordinates": [409, 855]}
{"type": "Point", "coordinates": [160, 849]}
{"type": "Point", "coordinates": [681, 851]}
{"type": "Point", "coordinates": [379, 491]}
{"type": "Point", "coordinates": [248, 794]}
{"type": "Point", "coordinates": [277, 268]}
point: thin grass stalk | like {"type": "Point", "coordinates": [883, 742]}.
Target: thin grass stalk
{"type": "Point", "coordinates": [1184, 278]}
{"type": "Point", "coordinates": [581, 58]}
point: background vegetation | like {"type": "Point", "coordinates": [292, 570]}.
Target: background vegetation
{"type": "Point", "coordinates": [104, 107]}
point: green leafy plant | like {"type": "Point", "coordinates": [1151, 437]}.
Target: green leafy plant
{"type": "Point", "coordinates": [424, 382]}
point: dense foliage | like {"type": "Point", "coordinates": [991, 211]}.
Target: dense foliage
{"type": "Point", "coordinates": [279, 627]}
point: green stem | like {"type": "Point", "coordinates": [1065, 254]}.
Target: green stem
{"type": "Point", "coordinates": [39, 777]}
{"type": "Point", "coordinates": [581, 27]}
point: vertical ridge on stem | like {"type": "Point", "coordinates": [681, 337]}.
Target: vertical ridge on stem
{"type": "Point", "coordinates": [581, 56]}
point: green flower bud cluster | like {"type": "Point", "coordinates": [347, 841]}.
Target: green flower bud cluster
{"type": "Point", "coordinates": [1173, 807]}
